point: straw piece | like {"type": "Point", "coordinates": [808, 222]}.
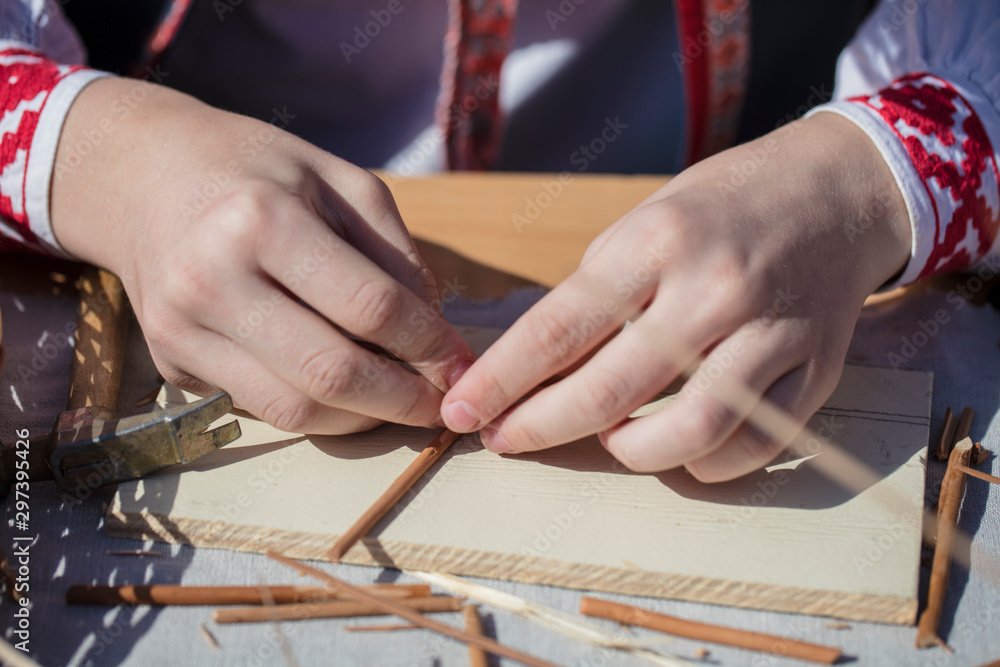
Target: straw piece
{"type": "Point", "coordinates": [706, 632]}
{"type": "Point", "coordinates": [980, 474]}
{"type": "Point", "coordinates": [952, 489]}
{"type": "Point", "coordinates": [383, 628]}
{"type": "Point", "coordinates": [569, 625]}
{"type": "Point", "coordinates": [393, 494]}
{"type": "Point", "coordinates": [947, 439]}
{"type": "Point", "coordinates": [335, 609]}
{"type": "Point", "coordinates": [209, 637]}
{"type": "Point", "coordinates": [221, 595]}
{"type": "Point", "coordinates": [474, 626]}
{"type": "Point", "coordinates": [393, 607]}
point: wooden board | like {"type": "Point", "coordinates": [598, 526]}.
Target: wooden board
{"type": "Point", "coordinates": [782, 539]}
{"type": "Point", "coordinates": [536, 226]}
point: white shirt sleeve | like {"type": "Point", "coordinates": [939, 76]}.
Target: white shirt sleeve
{"type": "Point", "coordinates": [922, 79]}
{"type": "Point", "coordinates": [41, 74]}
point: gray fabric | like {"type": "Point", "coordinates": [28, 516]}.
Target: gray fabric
{"type": "Point", "coordinates": [71, 547]}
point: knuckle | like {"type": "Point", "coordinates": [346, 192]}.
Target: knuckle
{"type": "Point", "coordinates": [426, 337]}
{"type": "Point", "coordinates": [758, 446]}
{"type": "Point", "coordinates": [190, 284]}
{"type": "Point", "coordinates": [242, 209]}
{"type": "Point", "coordinates": [410, 409]}
{"type": "Point", "coordinates": [495, 398]}
{"type": "Point", "coordinates": [373, 188]}
{"type": "Point", "coordinates": [423, 279]}
{"type": "Point", "coordinates": [700, 427]}
{"type": "Point", "coordinates": [157, 325]}
{"type": "Point", "coordinates": [328, 376]}
{"type": "Point", "coordinates": [294, 414]}
{"type": "Point", "coordinates": [373, 307]}
{"type": "Point", "coordinates": [606, 397]}
{"type": "Point", "coordinates": [554, 334]}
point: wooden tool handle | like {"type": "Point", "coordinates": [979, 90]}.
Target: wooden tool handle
{"type": "Point", "coordinates": [101, 327]}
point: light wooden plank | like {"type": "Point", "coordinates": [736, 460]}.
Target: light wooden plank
{"type": "Point", "coordinates": [483, 215]}
{"type": "Point", "coordinates": [782, 539]}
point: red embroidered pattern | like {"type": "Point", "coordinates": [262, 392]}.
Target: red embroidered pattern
{"type": "Point", "coordinates": [955, 160]}
{"type": "Point", "coordinates": [714, 56]}
{"type": "Point", "coordinates": [478, 40]}
{"type": "Point", "coordinates": [26, 79]}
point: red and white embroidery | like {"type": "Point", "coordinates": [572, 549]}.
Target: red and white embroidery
{"type": "Point", "coordinates": [954, 158]}
{"type": "Point", "coordinates": [26, 80]}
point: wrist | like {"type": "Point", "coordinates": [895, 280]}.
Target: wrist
{"type": "Point", "coordinates": [108, 170]}
{"type": "Point", "coordinates": [861, 193]}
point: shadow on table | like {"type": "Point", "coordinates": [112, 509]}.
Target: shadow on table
{"type": "Point", "coordinates": [69, 545]}
{"type": "Point", "coordinates": [798, 484]}
{"type": "Point", "coordinates": [962, 352]}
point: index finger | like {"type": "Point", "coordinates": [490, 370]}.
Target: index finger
{"type": "Point", "coordinates": [557, 332]}
{"type": "Point", "coordinates": [352, 291]}
{"type": "Point", "coordinates": [376, 228]}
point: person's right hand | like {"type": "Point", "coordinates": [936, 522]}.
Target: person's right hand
{"type": "Point", "coordinates": [247, 254]}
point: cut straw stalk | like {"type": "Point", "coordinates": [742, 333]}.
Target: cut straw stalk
{"type": "Point", "coordinates": [222, 595]}
{"type": "Point", "coordinates": [420, 465]}
{"type": "Point", "coordinates": [952, 489]}
{"type": "Point", "coordinates": [706, 632]}
{"type": "Point", "coordinates": [393, 607]}
{"type": "Point", "coordinates": [335, 609]}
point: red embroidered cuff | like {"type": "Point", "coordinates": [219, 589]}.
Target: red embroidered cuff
{"type": "Point", "coordinates": [35, 95]}
{"type": "Point", "coordinates": [939, 151]}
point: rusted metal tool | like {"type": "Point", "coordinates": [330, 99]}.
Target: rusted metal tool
{"type": "Point", "coordinates": [89, 446]}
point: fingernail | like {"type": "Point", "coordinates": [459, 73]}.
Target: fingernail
{"type": "Point", "coordinates": [460, 416]}
{"type": "Point", "coordinates": [456, 373]}
{"type": "Point", "coordinates": [493, 441]}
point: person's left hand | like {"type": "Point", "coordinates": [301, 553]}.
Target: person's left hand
{"type": "Point", "coordinates": [755, 262]}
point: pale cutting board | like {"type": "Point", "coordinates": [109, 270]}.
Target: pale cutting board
{"type": "Point", "coordinates": [783, 539]}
